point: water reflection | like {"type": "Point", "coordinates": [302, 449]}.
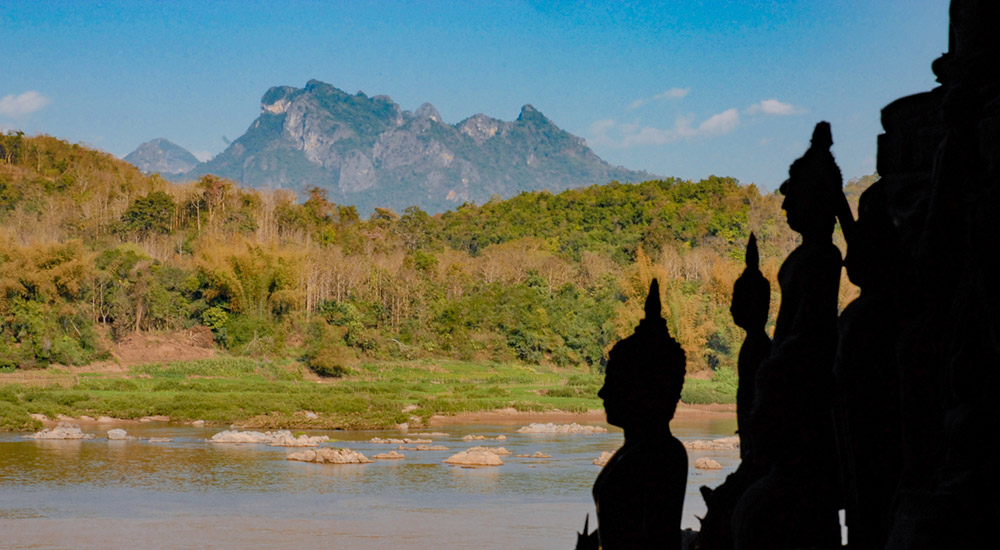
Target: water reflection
{"type": "Point", "coordinates": [474, 480]}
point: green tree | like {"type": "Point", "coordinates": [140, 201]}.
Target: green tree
{"type": "Point", "coordinates": [151, 214]}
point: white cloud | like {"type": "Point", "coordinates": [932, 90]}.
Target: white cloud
{"type": "Point", "coordinates": [631, 135]}
{"type": "Point", "coordinates": [648, 136]}
{"type": "Point", "coordinates": [721, 123]}
{"type": "Point", "coordinates": [773, 107]}
{"type": "Point", "coordinates": [638, 103]}
{"type": "Point", "coordinates": [599, 131]}
{"type": "Point", "coordinates": [602, 126]}
{"type": "Point", "coordinates": [672, 93]}
{"type": "Point", "coordinates": [17, 106]}
{"type": "Point", "coordinates": [629, 128]}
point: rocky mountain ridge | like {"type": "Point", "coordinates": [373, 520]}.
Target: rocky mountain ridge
{"type": "Point", "coordinates": [369, 152]}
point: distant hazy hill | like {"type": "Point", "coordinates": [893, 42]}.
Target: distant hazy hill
{"type": "Point", "coordinates": [162, 156]}
{"type": "Point", "coordinates": [369, 152]}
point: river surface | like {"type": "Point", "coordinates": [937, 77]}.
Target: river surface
{"type": "Point", "coordinates": [189, 493]}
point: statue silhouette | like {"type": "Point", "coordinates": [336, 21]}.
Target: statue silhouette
{"type": "Point", "coordinates": [867, 401]}
{"type": "Point", "coordinates": [751, 302]}
{"type": "Point", "coordinates": [909, 372]}
{"type": "Point", "coordinates": [640, 492]}
{"type": "Point", "coordinates": [947, 140]}
{"type": "Point", "coordinates": [796, 503]}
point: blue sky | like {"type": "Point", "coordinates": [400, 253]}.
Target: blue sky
{"type": "Point", "coordinates": [683, 88]}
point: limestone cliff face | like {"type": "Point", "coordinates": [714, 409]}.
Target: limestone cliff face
{"type": "Point", "coordinates": [369, 152]}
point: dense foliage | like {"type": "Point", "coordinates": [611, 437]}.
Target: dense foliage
{"type": "Point", "coordinates": [91, 249]}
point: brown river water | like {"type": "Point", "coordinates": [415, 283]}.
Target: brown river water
{"type": "Point", "coordinates": [188, 493]}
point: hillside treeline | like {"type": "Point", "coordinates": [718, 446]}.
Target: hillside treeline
{"type": "Point", "coordinates": [92, 250]}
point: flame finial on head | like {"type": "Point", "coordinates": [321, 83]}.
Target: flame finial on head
{"type": "Point", "coordinates": [822, 137]}
{"type": "Point", "coordinates": [752, 255]}
{"type": "Point", "coordinates": [653, 307]}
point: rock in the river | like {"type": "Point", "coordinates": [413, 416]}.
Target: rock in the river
{"type": "Point", "coordinates": [550, 428]}
{"type": "Point", "coordinates": [704, 463]}
{"type": "Point", "coordinates": [404, 441]}
{"type": "Point", "coordinates": [603, 459]}
{"type": "Point", "coordinates": [477, 437]}
{"type": "Point", "coordinates": [731, 443]}
{"type": "Point", "coordinates": [198, 424]}
{"type": "Point", "coordinates": [64, 430]}
{"type": "Point", "coordinates": [119, 434]}
{"type": "Point", "coordinates": [327, 455]}
{"type": "Point", "coordinates": [476, 456]}
{"type": "Point", "coordinates": [391, 455]}
{"type": "Point", "coordinates": [538, 454]}
{"type": "Point", "coordinates": [501, 451]}
{"type": "Point", "coordinates": [160, 440]}
{"type": "Point", "coordinates": [39, 416]}
{"type": "Point", "coordinates": [281, 438]}
{"type": "Point", "coordinates": [423, 448]}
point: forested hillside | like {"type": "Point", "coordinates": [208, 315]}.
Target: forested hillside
{"type": "Point", "coordinates": [91, 251]}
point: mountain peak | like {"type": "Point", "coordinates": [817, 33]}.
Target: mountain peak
{"type": "Point", "coordinates": [530, 114]}
{"type": "Point", "coordinates": [162, 156]}
{"type": "Point", "coordinates": [428, 111]}
{"type": "Point", "coordinates": [480, 127]}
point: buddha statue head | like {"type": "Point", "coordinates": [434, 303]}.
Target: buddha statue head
{"type": "Point", "coordinates": [645, 373]}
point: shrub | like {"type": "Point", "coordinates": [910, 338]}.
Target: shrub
{"type": "Point", "coordinates": [253, 336]}
{"type": "Point", "coordinates": [331, 360]}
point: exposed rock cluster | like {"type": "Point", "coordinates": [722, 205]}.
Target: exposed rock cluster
{"type": "Point", "coordinates": [538, 454]}
{"type": "Point", "coordinates": [281, 438]}
{"type": "Point", "coordinates": [327, 455]}
{"type": "Point", "coordinates": [705, 463]}
{"type": "Point", "coordinates": [63, 431]}
{"type": "Point", "coordinates": [476, 456]}
{"type": "Point", "coordinates": [391, 455]}
{"type": "Point", "coordinates": [423, 448]}
{"type": "Point", "coordinates": [119, 434]}
{"type": "Point", "coordinates": [603, 459]}
{"type": "Point", "coordinates": [477, 437]}
{"type": "Point", "coordinates": [725, 443]}
{"type": "Point", "coordinates": [550, 428]}
{"type": "Point", "coordinates": [404, 441]}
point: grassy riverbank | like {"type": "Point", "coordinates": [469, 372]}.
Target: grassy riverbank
{"type": "Point", "coordinates": [272, 394]}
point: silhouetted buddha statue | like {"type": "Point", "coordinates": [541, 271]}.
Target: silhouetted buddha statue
{"type": "Point", "coordinates": [640, 492]}
{"type": "Point", "coordinates": [795, 505]}
{"type": "Point", "coordinates": [867, 402]}
{"type": "Point", "coordinates": [950, 348]}
{"type": "Point", "coordinates": [751, 302]}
